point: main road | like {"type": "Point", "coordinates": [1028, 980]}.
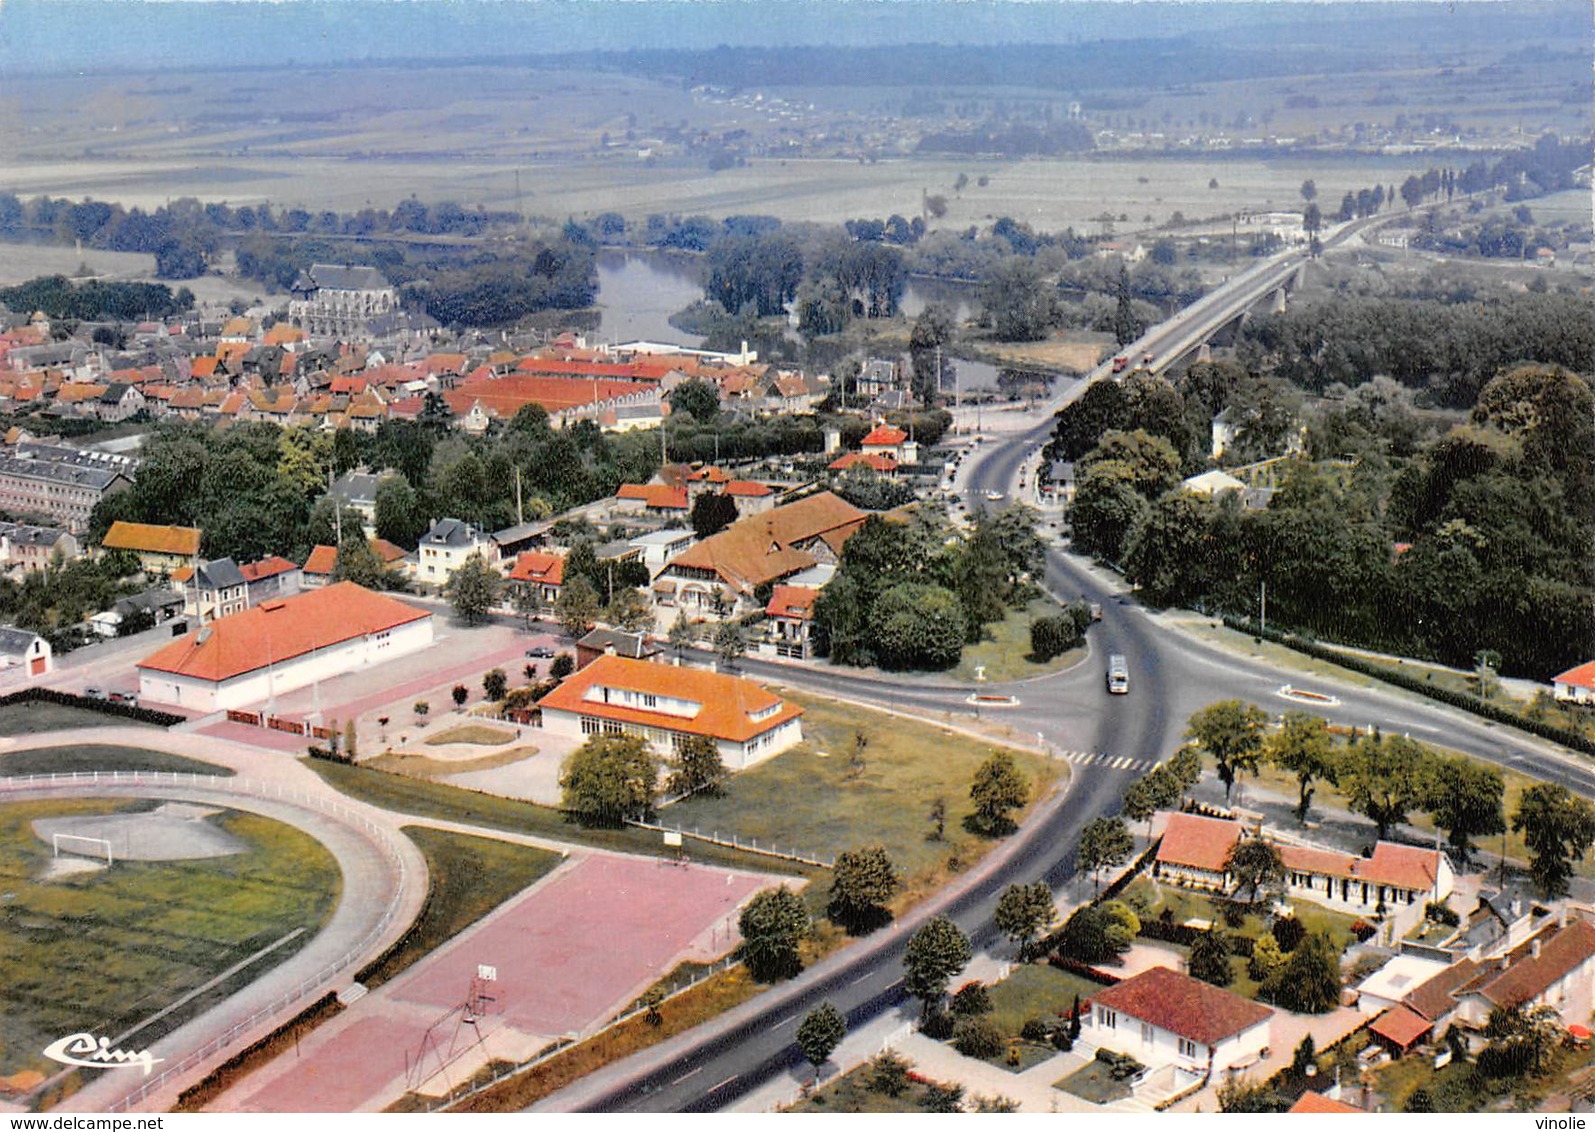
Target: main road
{"type": "Point", "coordinates": [1172, 675]}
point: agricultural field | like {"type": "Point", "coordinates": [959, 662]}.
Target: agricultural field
{"type": "Point", "coordinates": [104, 949]}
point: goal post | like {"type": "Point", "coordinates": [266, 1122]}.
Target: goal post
{"type": "Point", "coordinates": [78, 839]}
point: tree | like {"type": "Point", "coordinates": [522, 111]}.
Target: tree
{"type": "Point", "coordinates": [1053, 636]}
{"type": "Point", "coordinates": [1232, 733]}
{"type": "Point", "coordinates": [1558, 828]}
{"type": "Point", "coordinates": [1106, 507]}
{"type": "Point", "coordinates": [971, 998]}
{"type": "Point", "coordinates": [1266, 959]}
{"type": "Point", "coordinates": [1255, 865]}
{"type": "Point", "coordinates": [495, 684]}
{"type": "Point", "coordinates": [935, 953]}
{"type": "Point", "coordinates": [609, 779]}
{"type": "Point", "coordinates": [914, 625]}
{"type": "Point", "coordinates": [697, 397]}
{"type": "Point", "coordinates": [1242, 1094]}
{"type": "Point", "coordinates": [1104, 844]}
{"type": "Point", "coordinates": [459, 693]}
{"type": "Point", "coordinates": [1386, 777]}
{"type": "Point", "coordinates": [773, 924]}
{"type": "Point", "coordinates": [1017, 301]}
{"type": "Point", "coordinates": [358, 563]}
{"type": "Point", "coordinates": [730, 642]}
{"type": "Point", "coordinates": [526, 598]}
{"type": "Point", "coordinates": [682, 633]}
{"type": "Point", "coordinates": [1304, 746]}
{"type": "Point", "coordinates": [1309, 191]}
{"type": "Point", "coordinates": [1309, 982]}
{"type": "Point", "coordinates": [577, 607]}
{"type": "Point", "coordinates": [421, 709]}
{"type": "Point", "coordinates": [863, 881]}
{"type": "Point", "coordinates": [1465, 801]}
{"type": "Point", "coordinates": [1209, 959]}
{"type": "Point", "coordinates": [473, 589]}
{"type": "Point", "coordinates": [1091, 935]}
{"type": "Point", "coordinates": [999, 788]}
{"type": "Point", "coordinates": [1157, 789]}
{"type": "Point", "coordinates": [698, 767]}
{"type": "Point", "coordinates": [1023, 912]}
{"type": "Point", "coordinates": [629, 611]}
{"type": "Point", "coordinates": [712, 512]}
{"type": "Point", "coordinates": [399, 518]}
{"type": "Point", "coordinates": [820, 1032]}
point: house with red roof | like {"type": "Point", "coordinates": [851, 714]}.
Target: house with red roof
{"type": "Point", "coordinates": [541, 569]}
{"type": "Point", "coordinates": [1395, 881]}
{"type": "Point", "coordinates": [654, 498]}
{"type": "Point", "coordinates": [280, 645]}
{"type": "Point", "coordinates": [1318, 1102]}
{"type": "Point", "coordinates": [1163, 1018]}
{"type": "Point", "coordinates": [791, 613]}
{"type": "Point", "coordinates": [1576, 685]}
{"type": "Point", "coordinates": [664, 704]}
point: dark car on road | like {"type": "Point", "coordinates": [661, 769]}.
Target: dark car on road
{"type": "Point", "coordinates": [540, 652]}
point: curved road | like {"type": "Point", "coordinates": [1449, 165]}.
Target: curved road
{"type": "Point", "coordinates": [1172, 675]}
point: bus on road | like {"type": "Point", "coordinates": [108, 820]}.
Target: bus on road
{"type": "Point", "coordinates": [1118, 675]}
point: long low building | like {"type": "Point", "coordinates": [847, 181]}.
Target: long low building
{"type": "Point", "coordinates": [281, 645]}
{"type": "Point", "coordinates": [615, 695]}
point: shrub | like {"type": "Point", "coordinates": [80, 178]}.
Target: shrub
{"type": "Point", "coordinates": [937, 1026]}
{"type": "Point", "coordinates": [972, 999]}
{"type": "Point", "coordinates": [1034, 1030]}
{"type": "Point", "coordinates": [943, 1098]}
{"type": "Point", "coordinates": [1363, 930]}
{"type": "Point", "coordinates": [1288, 932]}
{"type": "Point", "coordinates": [888, 1074]}
{"type": "Point", "coordinates": [562, 666]}
{"type": "Point", "coordinates": [1061, 1041]}
{"type": "Point", "coordinates": [1441, 914]}
{"type": "Point", "coordinates": [978, 1037]}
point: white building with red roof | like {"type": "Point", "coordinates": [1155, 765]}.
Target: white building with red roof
{"type": "Point", "coordinates": [664, 704]}
{"type": "Point", "coordinates": [791, 614]}
{"type": "Point", "coordinates": [885, 448]}
{"type": "Point", "coordinates": [281, 645]}
{"type": "Point", "coordinates": [1576, 685]}
{"type": "Point", "coordinates": [541, 569]}
{"type": "Point", "coordinates": [1396, 880]}
{"type": "Point", "coordinates": [1163, 1018]}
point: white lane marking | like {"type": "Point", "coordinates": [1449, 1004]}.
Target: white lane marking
{"type": "Point", "coordinates": [688, 1074]}
{"type": "Point", "coordinates": [723, 1084]}
{"type": "Point", "coordinates": [784, 1022]}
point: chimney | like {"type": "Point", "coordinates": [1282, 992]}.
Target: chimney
{"type": "Point", "coordinates": [1534, 948]}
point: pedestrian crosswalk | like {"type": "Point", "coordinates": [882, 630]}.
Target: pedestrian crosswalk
{"type": "Point", "coordinates": [1108, 762]}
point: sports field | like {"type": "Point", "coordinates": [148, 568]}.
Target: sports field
{"type": "Point", "coordinates": [101, 950]}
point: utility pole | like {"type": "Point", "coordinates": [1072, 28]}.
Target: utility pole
{"type": "Point", "coordinates": [1263, 620]}
{"type": "Point", "coordinates": [519, 517]}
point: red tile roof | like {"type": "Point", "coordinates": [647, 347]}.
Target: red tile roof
{"type": "Point", "coordinates": [1317, 1102]}
{"type": "Point", "coordinates": [748, 489]}
{"type": "Point", "coordinates": [792, 601]}
{"type": "Point", "coordinates": [1197, 842]}
{"type": "Point", "coordinates": [387, 551]}
{"type": "Point", "coordinates": [276, 631]}
{"type": "Point", "coordinates": [710, 474]}
{"type": "Point", "coordinates": [1581, 677]}
{"type": "Point", "coordinates": [505, 396]}
{"type": "Point", "coordinates": [537, 566]}
{"type": "Point", "coordinates": [726, 704]}
{"type": "Point", "coordinates": [1399, 866]}
{"type": "Point", "coordinates": [1183, 1006]}
{"type": "Point", "coordinates": [884, 436]}
{"type": "Point", "coordinates": [877, 460]}
{"type": "Point", "coordinates": [1436, 998]}
{"type": "Point", "coordinates": [1530, 976]}
{"type": "Point", "coordinates": [266, 568]}
{"type": "Point", "coordinates": [655, 496]}
{"type": "Point", "coordinates": [1400, 1026]}
{"type": "Point", "coordinates": [630, 371]}
{"type": "Point", "coordinates": [150, 539]}
{"type": "Point", "coordinates": [767, 547]}
{"type": "Point", "coordinates": [322, 561]}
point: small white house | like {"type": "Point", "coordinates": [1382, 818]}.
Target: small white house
{"type": "Point", "coordinates": [445, 547]}
{"type": "Point", "coordinates": [1164, 1018]}
{"type": "Point", "coordinates": [1576, 685]}
{"type": "Point", "coordinates": [28, 651]}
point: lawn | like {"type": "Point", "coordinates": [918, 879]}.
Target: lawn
{"type": "Point", "coordinates": [104, 950]}
{"type": "Point", "coordinates": [423, 766]}
{"type": "Point", "coordinates": [403, 795]}
{"type": "Point", "coordinates": [468, 877]}
{"type": "Point", "coordinates": [1005, 653]}
{"type": "Point", "coordinates": [814, 798]}
{"type": "Point", "coordinates": [1154, 897]}
{"type": "Point", "coordinates": [1093, 1083]}
{"type": "Point", "coordinates": [96, 756]}
{"type": "Point", "coordinates": [1036, 990]}
{"type": "Point", "coordinates": [471, 733]}
{"type": "Point", "coordinates": [34, 716]}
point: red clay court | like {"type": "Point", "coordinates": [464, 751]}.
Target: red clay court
{"type": "Point", "coordinates": [570, 953]}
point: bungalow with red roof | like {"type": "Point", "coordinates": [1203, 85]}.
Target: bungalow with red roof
{"type": "Point", "coordinates": [1163, 1018]}
{"type": "Point", "coordinates": [1555, 967]}
{"type": "Point", "coordinates": [616, 695]}
{"type": "Point", "coordinates": [1397, 880]}
{"type": "Point", "coordinates": [654, 498]}
{"type": "Point", "coordinates": [1317, 1102]}
{"type": "Point", "coordinates": [280, 645]}
{"type": "Point", "coordinates": [1576, 685]}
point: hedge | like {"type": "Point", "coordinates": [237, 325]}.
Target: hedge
{"type": "Point", "coordinates": [105, 707]}
{"type": "Point", "coordinates": [1185, 936]}
{"type": "Point", "coordinates": [1493, 712]}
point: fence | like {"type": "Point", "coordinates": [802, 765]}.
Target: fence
{"type": "Point", "coordinates": [266, 792]}
{"type": "Point", "coordinates": [506, 1072]}
{"type": "Point", "coordinates": [734, 842]}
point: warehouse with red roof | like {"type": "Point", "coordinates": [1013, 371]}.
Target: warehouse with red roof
{"type": "Point", "coordinates": [281, 645]}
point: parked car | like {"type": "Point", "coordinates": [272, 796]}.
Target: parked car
{"type": "Point", "coordinates": [540, 652]}
{"type": "Point", "coordinates": [125, 698]}
{"type": "Point", "coordinates": [94, 693]}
